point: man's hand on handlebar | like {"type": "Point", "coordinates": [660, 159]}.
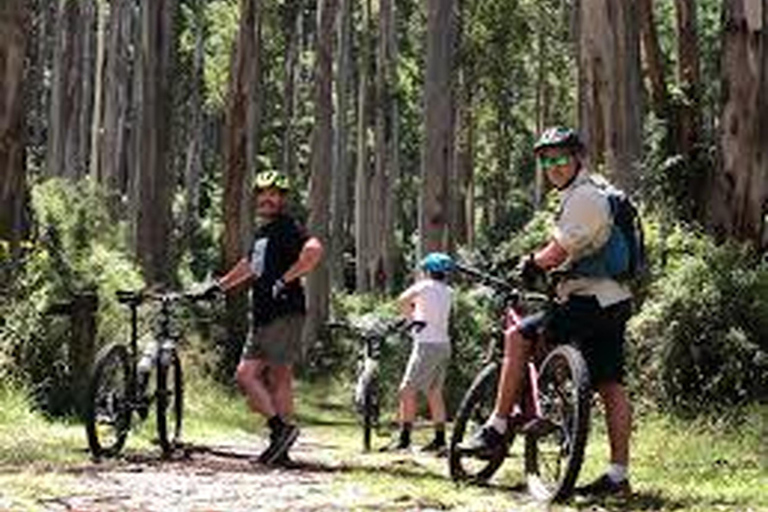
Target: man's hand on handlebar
{"type": "Point", "coordinates": [531, 274]}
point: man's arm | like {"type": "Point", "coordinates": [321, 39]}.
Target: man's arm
{"type": "Point", "coordinates": [550, 256]}
{"type": "Point", "coordinates": [239, 274]}
{"type": "Point", "coordinates": [309, 257]}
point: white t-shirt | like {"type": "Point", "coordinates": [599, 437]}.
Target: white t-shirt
{"type": "Point", "coordinates": [432, 305]}
{"type": "Point", "coordinates": [582, 227]}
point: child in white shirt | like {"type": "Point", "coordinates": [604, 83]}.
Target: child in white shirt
{"type": "Point", "coordinates": [428, 300]}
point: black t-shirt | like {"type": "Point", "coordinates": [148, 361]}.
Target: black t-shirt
{"type": "Point", "coordinates": [276, 247]}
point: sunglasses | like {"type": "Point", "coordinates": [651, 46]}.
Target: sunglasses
{"type": "Point", "coordinates": [547, 163]}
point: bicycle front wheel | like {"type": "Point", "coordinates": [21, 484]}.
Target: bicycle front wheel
{"type": "Point", "coordinates": [169, 398]}
{"type": "Point", "coordinates": [553, 455]}
{"type": "Point", "coordinates": [476, 406]}
{"type": "Point", "coordinates": [108, 408]}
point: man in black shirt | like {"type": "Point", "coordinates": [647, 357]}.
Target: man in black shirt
{"type": "Point", "coordinates": [280, 254]}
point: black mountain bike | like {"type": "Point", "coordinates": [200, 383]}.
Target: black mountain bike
{"type": "Point", "coordinates": [117, 390]}
{"type": "Point", "coordinates": [372, 335]}
{"type": "Point", "coordinates": [552, 415]}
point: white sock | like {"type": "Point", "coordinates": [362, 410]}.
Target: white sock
{"type": "Point", "coordinates": [617, 472]}
{"type": "Point", "coordinates": [498, 423]}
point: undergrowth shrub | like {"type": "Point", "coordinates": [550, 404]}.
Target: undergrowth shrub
{"type": "Point", "coordinates": [700, 341]}
{"type": "Point", "coordinates": [77, 247]}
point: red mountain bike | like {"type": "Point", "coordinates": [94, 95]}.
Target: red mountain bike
{"type": "Point", "coordinates": [553, 413]}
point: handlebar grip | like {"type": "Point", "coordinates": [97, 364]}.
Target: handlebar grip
{"type": "Point", "coordinates": [129, 296]}
{"type": "Point", "coordinates": [417, 325]}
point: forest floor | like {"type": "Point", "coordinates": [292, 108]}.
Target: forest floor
{"type": "Point", "coordinates": [44, 466]}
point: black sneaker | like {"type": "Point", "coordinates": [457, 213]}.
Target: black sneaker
{"type": "Point", "coordinates": [396, 445]}
{"type": "Point", "coordinates": [270, 453]}
{"type": "Point", "coordinates": [605, 486]}
{"type": "Point", "coordinates": [283, 441]}
{"type": "Point", "coordinates": [485, 443]}
{"type": "Point", "coordinates": [434, 446]}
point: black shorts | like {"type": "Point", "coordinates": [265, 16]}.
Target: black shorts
{"type": "Point", "coordinates": [598, 332]}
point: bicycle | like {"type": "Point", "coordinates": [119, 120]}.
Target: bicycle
{"type": "Point", "coordinates": [372, 334]}
{"type": "Point", "coordinates": [115, 392]}
{"type": "Point", "coordinates": [553, 413]}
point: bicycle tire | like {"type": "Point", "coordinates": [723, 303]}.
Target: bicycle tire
{"type": "Point", "coordinates": [169, 397]}
{"type": "Point", "coordinates": [564, 396]}
{"type": "Point", "coordinates": [370, 412]}
{"type": "Point", "coordinates": [108, 406]}
{"type": "Point", "coordinates": [476, 406]}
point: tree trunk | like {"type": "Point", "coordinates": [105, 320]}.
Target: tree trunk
{"type": "Point", "coordinates": [236, 139]}
{"type": "Point", "coordinates": [318, 282]}
{"type": "Point", "coordinates": [541, 107]}
{"type": "Point", "coordinates": [464, 160]}
{"type": "Point", "coordinates": [362, 178]}
{"type": "Point", "coordinates": [37, 90]}
{"type": "Point", "coordinates": [688, 76]}
{"type": "Point", "coordinates": [381, 184]}
{"type": "Point", "coordinates": [740, 194]}
{"type": "Point", "coordinates": [434, 196]}
{"type": "Point", "coordinates": [654, 59]}
{"type": "Point", "coordinates": [66, 94]}
{"type": "Point", "coordinates": [254, 124]}
{"type": "Point", "coordinates": [237, 195]}
{"type": "Point", "coordinates": [610, 93]}
{"type": "Point", "coordinates": [87, 61]}
{"type": "Point", "coordinates": [341, 162]}
{"type": "Point", "coordinates": [153, 175]}
{"type": "Point", "coordinates": [194, 159]}
{"type": "Point", "coordinates": [291, 33]}
{"type": "Point", "coordinates": [113, 166]}
{"type": "Point", "coordinates": [13, 41]}
{"type": "Point", "coordinates": [98, 92]}
{"type": "Point", "coordinates": [392, 200]}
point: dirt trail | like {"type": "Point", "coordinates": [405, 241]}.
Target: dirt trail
{"type": "Point", "coordinates": [217, 477]}
{"type": "Point", "coordinates": [202, 478]}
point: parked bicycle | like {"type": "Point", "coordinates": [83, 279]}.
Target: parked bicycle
{"type": "Point", "coordinates": [118, 388]}
{"type": "Point", "coordinates": [553, 413]}
{"type": "Point", "coordinates": [372, 333]}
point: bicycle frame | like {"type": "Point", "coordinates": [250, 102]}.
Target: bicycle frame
{"type": "Point", "coordinates": [531, 406]}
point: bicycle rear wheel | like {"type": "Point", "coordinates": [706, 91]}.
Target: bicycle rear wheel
{"type": "Point", "coordinates": [554, 455]}
{"type": "Point", "coordinates": [476, 406]}
{"type": "Point", "coordinates": [169, 398]}
{"type": "Point", "coordinates": [108, 408]}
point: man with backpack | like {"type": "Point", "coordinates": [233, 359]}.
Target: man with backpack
{"type": "Point", "coordinates": [593, 244]}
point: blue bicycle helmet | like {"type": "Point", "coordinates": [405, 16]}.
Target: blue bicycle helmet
{"type": "Point", "coordinates": [437, 262]}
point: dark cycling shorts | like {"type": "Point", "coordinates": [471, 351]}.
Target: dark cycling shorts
{"type": "Point", "coordinates": [598, 332]}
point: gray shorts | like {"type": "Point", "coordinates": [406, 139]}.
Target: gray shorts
{"type": "Point", "coordinates": [278, 342]}
{"type": "Point", "coordinates": [427, 366]}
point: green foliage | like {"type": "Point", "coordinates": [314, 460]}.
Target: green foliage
{"type": "Point", "coordinates": [221, 17]}
{"type": "Point", "coordinates": [80, 249]}
{"type": "Point", "coordinates": [698, 343]}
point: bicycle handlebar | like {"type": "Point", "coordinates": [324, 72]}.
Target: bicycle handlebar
{"type": "Point", "coordinates": [501, 286]}
{"type": "Point", "coordinates": [389, 327]}
{"type": "Point", "coordinates": [136, 297]}
{"type": "Point", "coordinates": [492, 281]}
